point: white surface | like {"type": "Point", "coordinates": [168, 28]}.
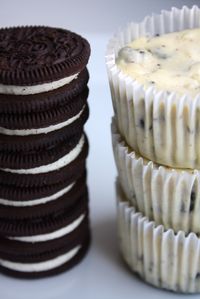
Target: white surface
{"type": "Point", "coordinates": [102, 274]}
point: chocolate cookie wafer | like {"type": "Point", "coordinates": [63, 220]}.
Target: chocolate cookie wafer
{"type": "Point", "coordinates": [65, 197]}
{"type": "Point", "coordinates": [27, 253]}
{"type": "Point", "coordinates": [25, 194]}
{"type": "Point", "coordinates": [32, 56]}
{"type": "Point", "coordinates": [44, 101]}
{"type": "Point", "coordinates": [67, 168]}
{"type": "Point", "coordinates": [45, 140]}
{"type": "Point", "coordinates": [42, 122]}
{"type": "Point", "coordinates": [50, 263]}
{"type": "Point", "coordinates": [14, 250]}
{"type": "Point", "coordinates": [30, 227]}
{"type": "Point", "coordinates": [32, 159]}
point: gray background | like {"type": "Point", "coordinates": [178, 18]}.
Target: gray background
{"type": "Point", "coordinates": [101, 275]}
{"type": "Point", "coordinates": [83, 16]}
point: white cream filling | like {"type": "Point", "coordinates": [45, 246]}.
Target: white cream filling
{"type": "Point", "coordinates": [53, 235]}
{"type": "Point", "coordinates": [41, 130]}
{"type": "Point", "coordinates": [62, 162]}
{"type": "Point", "coordinates": [34, 89]}
{"type": "Point", "coordinates": [169, 62]}
{"type": "Point", "coordinates": [35, 202]}
{"type": "Point", "coordinates": [42, 266]}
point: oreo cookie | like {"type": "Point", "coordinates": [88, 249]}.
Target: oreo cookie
{"type": "Point", "coordinates": [16, 250]}
{"type": "Point", "coordinates": [67, 169]}
{"type": "Point", "coordinates": [64, 198]}
{"type": "Point", "coordinates": [44, 141]}
{"type": "Point", "coordinates": [26, 194]}
{"type": "Point", "coordinates": [29, 228]}
{"type": "Point", "coordinates": [34, 55]}
{"type": "Point", "coordinates": [44, 101]}
{"type": "Point", "coordinates": [50, 263]}
{"type": "Point", "coordinates": [33, 159]}
{"type": "Point", "coordinates": [45, 121]}
{"type": "Point", "coordinates": [40, 251]}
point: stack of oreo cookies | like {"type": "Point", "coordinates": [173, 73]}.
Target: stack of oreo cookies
{"type": "Point", "coordinates": [43, 149]}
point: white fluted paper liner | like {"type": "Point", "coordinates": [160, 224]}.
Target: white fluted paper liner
{"type": "Point", "coordinates": [161, 126]}
{"type": "Point", "coordinates": [168, 196]}
{"type": "Point", "coordinates": [161, 257]}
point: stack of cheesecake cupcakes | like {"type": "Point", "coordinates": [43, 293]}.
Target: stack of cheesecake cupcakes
{"type": "Point", "coordinates": [155, 87]}
{"type": "Point", "coordinates": [44, 225]}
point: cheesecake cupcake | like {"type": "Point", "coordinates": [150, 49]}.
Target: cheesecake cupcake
{"type": "Point", "coordinates": [153, 70]}
{"type": "Point", "coordinates": [161, 257]}
{"type": "Point", "coordinates": [167, 196]}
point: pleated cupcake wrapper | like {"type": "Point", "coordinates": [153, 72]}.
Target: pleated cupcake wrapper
{"type": "Point", "coordinates": [161, 126]}
{"type": "Point", "coordinates": [168, 196]}
{"type": "Point", "coordinates": [161, 257]}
